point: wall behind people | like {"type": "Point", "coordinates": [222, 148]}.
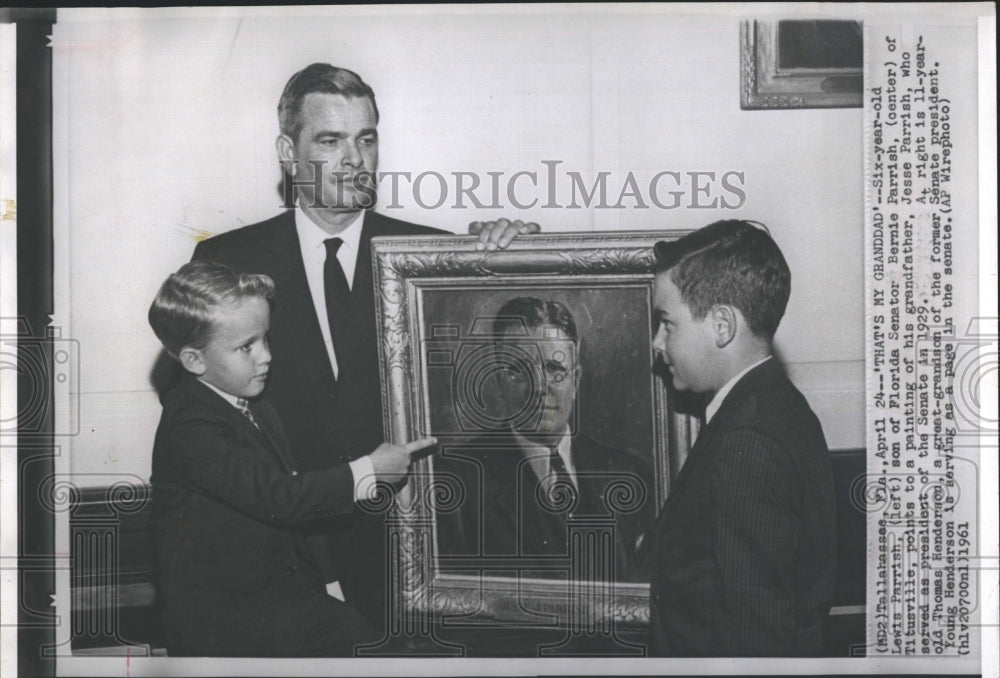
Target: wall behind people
{"type": "Point", "coordinates": [164, 133]}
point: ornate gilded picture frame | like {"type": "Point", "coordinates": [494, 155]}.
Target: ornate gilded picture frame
{"type": "Point", "coordinates": [439, 300]}
{"type": "Point", "coordinates": [801, 64]}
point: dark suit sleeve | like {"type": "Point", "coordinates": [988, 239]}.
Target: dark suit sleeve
{"type": "Point", "coordinates": [754, 535]}
{"type": "Point", "coordinates": [203, 455]}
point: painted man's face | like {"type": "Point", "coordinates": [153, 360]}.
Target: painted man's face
{"type": "Point", "coordinates": [540, 389]}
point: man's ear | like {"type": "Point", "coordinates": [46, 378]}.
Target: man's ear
{"type": "Point", "coordinates": [192, 361]}
{"type": "Point", "coordinates": [725, 323]}
{"type": "Point", "coordinates": [286, 152]}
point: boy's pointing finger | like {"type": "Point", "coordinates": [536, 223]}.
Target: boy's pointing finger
{"type": "Point", "coordinates": [418, 445]}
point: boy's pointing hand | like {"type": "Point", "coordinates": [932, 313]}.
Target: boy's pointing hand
{"type": "Point", "coordinates": [391, 462]}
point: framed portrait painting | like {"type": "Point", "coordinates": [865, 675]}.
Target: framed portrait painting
{"type": "Point", "coordinates": [556, 440]}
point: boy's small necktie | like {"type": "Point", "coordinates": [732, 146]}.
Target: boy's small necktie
{"type": "Point", "coordinates": [244, 406]}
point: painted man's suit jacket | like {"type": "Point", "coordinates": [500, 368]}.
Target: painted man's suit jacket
{"type": "Point", "coordinates": [328, 421]}
{"type": "Point", "coordinates": [504, 514]}
{"type": "Point", "coordinates": [231, 574]}
{"type": "Point", "coordinates": [745, 554]}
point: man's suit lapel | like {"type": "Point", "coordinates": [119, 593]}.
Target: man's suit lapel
{"type": "Point", "coordinates": [537, 519]}
{"type": "Point", "coordinates": [500, 477]}
{"type": "Point", "coordinates": [295, 313]}
{"type": "Point", "coordinates": [512, 485]}
{"type": "Point", "coordinates": [360, 319]}
{"type": "Point", "coordinates": [592, 475]}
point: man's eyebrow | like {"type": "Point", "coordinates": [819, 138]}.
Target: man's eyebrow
{"type": "Point", "coordinates": [337, 134]}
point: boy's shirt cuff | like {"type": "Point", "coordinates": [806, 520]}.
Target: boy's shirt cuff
{"type": "Point", "coordinates": [364, 479]}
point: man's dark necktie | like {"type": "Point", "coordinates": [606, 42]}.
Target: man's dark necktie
{"type": "Point", "coordinates": [338, 294]}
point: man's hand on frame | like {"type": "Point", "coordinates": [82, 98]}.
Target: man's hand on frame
{"type": "Point", "coordinates": [499, 233]}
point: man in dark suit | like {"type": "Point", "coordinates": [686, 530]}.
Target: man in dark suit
{"type": "Point", "coordinates": [323, 338]}
{"type": "Point", "coordinates": [539, 473]}
{"type": "Point", "coordinates": [745, 553]}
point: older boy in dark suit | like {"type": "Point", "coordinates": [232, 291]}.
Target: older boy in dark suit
{"type": "Point", "coordinates": [227, 500]}
{"type": "Point", "coordinates": [744, 563]}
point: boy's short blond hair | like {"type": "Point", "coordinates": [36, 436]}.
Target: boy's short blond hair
{"type": "Point", "coordinates": [183, 313]}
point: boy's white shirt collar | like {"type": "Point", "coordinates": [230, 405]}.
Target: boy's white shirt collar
{"type": "Point", "coordinates": [717, 400]}
{"type": "Point", "coordinates": [228, 397]}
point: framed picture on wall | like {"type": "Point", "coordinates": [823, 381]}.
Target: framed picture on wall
{"type": "Point", "coordinates": [510, 358]}
{"type": "Point", "coordinates": [801, 64]}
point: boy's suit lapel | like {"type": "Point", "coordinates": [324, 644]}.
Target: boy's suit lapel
{"type": "Point", "coordinates": [270, 428]}
{"type": "Point", "coordinates": [266, 430]}
{"type": "Point", "coordinates": [695, 459]}
{"type": "Point", "coordinates": [750, 383]}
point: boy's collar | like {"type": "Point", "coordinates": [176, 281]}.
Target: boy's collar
{"type": "Point", "coordinates": [228, 397]}
{"type": "Point", "coordinates": [713, 406]}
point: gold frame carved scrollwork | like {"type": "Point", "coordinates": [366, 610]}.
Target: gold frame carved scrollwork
{"type": "Point", "coordinates": [404, 268]}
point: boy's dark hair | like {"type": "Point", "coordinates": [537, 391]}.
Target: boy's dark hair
{"type": "Point", "coordinates": [730, 262]}
{"type": "Point", "coordinates": [183, 313]}
{"type": "Point", "coordinates": [322, 78]}
{"type": "Point", "coordinates": [520, 313]}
